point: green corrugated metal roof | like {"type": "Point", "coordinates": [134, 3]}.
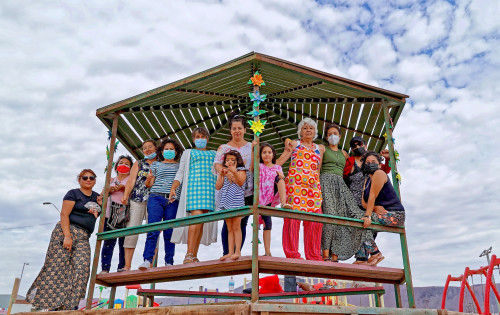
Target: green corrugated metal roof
{"type": "Point", "coordinates": [294, 91]}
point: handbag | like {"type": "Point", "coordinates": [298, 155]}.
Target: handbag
{"type": "Point", "coordinates": [119, 216]}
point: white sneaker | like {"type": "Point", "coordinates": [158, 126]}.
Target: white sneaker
{"type": "Point", "coordinates": [168, 264]}
{"type": "Point", "coordinates": [145, 265]}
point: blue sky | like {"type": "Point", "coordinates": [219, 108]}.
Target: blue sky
{"type": "Point", "coordinates": [63, 60]}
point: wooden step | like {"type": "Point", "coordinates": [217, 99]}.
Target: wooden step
{"type": "Point", "coordinates": [267, 265]}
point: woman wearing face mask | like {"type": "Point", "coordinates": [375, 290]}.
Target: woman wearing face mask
{"type": "Point", "coordinates": [160, 208]}
{"type": "Point", "coordinates": [342, 242]}
{"type": "Point", "coordinates": [198, 197]}
{"type": "Point", "coordinates": [116, 189]}
{"type": "Point", "coordinates": [237, 128]}
{"type": "Point", "coordinates": [381, 203]}
{"type": "Point", "coordinates": [138, 193]}
{"type": "Point", "coordinates": [353, 173]}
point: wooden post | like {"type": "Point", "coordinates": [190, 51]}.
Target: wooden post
{"type": "Point", "coordinates": [395, 183]}
{"type": "Point", "coordinates": [97, 252]}
{"type": "Point", "coordinates": [13, 296]}
{"type": "Point", "coordinates": [111, 301]}
{"type": "Point", "coordinates": [397, 293]}
{"type": "Point", "coordinates": [390, 145]}
{"type": "Point", "coordinates": [255, 214]}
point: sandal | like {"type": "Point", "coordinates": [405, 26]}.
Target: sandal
{"type": "Point", "coordinates": [361, 262]}
{"type": "Point", "coordinates": [188, 259]}
{"type": "Point", "coordinates": [287, 206]}
{"type": "Point", "coordinates": [195, 259]}
{"type": "Point", "coordinates": [375, 259]}
{"type": "Point", "coordinates": [327, 259]}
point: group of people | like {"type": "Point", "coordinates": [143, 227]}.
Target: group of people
{"type": "Point", "coordinates": [170, 182]}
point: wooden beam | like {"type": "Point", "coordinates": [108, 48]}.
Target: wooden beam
{"type": "Point", "coordinates": [324, 121]}
{"type": "Point", "coordinates": [107, 182]}
{"type": "Point", "coordinates": [212, 93]}
{"type": "Point", "coordinates": [301, 87]}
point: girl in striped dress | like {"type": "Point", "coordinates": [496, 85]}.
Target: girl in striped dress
{"type": "Point", "coordinates": [232, 195]}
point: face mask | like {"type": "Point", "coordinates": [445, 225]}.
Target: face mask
{"type": "Point", "coordinates": [151, 156]}
{"type": "Point", "coordinates": [359, 151]}
{"type": "Point", "coordinates": [333, 139]}
{"type": "Point", "coordinates": [370, 168]}
{"type": "Point", "coordinates": [200, 143]}
{"type": "Point", "coordinates": [123, 169]}
{"type": "Point", "coordinates": [169, 154]}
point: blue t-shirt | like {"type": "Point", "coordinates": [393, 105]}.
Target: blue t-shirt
{"type": "Point", "coordinates": [80, 215]}
{"type": "Point", "coordinates": [164, 176]}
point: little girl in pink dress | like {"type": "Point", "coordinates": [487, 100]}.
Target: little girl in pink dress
{"type": "Point", "coordinates": [272, 190]}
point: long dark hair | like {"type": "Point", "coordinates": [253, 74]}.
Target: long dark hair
{"type": "Point", "coordinates": [264, 145]}
{"type": "Point", "coordinates": [178, 148]}
{"type": "Point", "coordinates": [237, 155]}
{"type": "Point", "coordinates": [367, 154]}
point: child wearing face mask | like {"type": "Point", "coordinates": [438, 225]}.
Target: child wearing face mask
{"type": "Point", "coordinates": [160, 208]}
{"type": "Point", "coordinates": [116, 189]}
{"type": "Point", "coordinates": [232, 195]}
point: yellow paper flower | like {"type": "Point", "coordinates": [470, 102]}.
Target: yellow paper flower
{"type": "Point", "coordinates": [257, 126]}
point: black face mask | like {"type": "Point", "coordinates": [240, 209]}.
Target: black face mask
{"type": "Point", "coordinates": [359, 151]}
{"type": "Point", "coordinates": [370, 168]}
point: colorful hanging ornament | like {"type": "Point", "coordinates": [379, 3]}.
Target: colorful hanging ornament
{"type": "Point", "coordinates": [256, 97]}
{"type": "Point", "coordinates": [256, 112]}
{"type": "Point", "coordinates": [257, 126]}
{"type": "Point", "coordinates": [398, 177]}
{"type": "Point", "coordinates": [396, 155]}
{"type": "Point", "coordinates": [256, 79]}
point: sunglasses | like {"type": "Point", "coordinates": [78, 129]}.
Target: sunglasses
{"type": "Point", "coordinates": [357, 144]}
{"type": "Point", "coordinates": [85, 178]}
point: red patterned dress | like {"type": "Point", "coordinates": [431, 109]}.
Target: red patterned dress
{"type": "Point", "coordinates": [304, 194]}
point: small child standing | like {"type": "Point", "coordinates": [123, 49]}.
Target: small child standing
{"type": "Point", "coordinates": [271, 186]}
{"type": "Point", "coordinates": [232, 195]}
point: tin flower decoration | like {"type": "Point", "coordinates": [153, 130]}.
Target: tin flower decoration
{"type": "Point", "coordinates": [398, 177]}
{"type": "Point", "coordinates": [256, 97]}
{"type": "Point", "coordinates": [256, 79]}
{"type": "Point", "coordinates": [256, 112]}
{"type": "Point", "coordinates": [257, 126]}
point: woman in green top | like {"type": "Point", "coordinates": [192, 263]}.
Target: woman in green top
{"type": "Point", "coordinates": [338, 242]}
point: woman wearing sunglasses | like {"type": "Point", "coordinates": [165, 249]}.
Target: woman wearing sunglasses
{"type": "Point", "coordinates": [62, 282]}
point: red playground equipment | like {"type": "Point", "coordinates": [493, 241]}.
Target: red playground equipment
{"type": "Point", "coordinates": [487, 272]}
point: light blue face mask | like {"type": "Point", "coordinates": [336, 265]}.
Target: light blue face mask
{"type": "Point", "coordinates": [169, 154]}
{"type": "Point", "coordinates": [200, 143]}
{"type": "Point", "coordinates": [151, 156]}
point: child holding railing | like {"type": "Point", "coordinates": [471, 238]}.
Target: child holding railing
{"type": "Point", "coordinates": [272, 188]}
{"type": "Point", "coordinates": [232, 195]}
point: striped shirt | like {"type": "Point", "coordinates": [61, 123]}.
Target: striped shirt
{"type": "Point", "coordinates": [232, 195]}
{"type": "Point", "coordinates": [164, 176]}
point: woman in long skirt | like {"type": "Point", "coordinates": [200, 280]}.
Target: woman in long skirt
{"type": "Point", "coordinates": [62, 282]}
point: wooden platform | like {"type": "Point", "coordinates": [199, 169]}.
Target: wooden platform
{"type": "Point", "coordinates": [256, 309]}
{"type": "Point", "coordinates": [267, 265]}
{"type": "Point", "coordinates": [269, 296]}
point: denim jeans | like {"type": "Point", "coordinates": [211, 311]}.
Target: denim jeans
{"type": "Point", "coordinates": [107, 250]}
{"type": "Point", "coordinates": [160, 209]}
{"type": "Point", "coordinates": [244, 222]}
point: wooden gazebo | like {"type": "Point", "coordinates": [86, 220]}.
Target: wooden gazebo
{"type": "Point", "coordinates": [293, 92]}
